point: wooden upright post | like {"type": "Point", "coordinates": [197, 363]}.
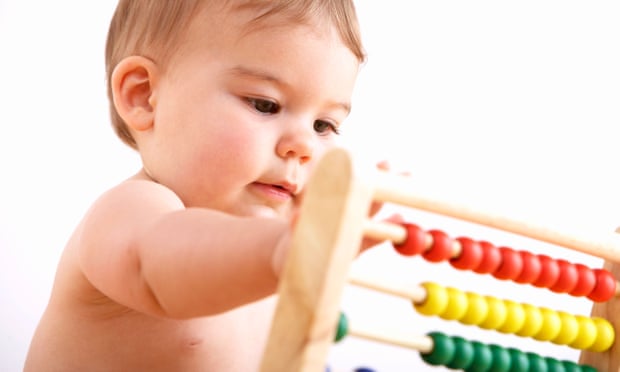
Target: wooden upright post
{"type": "Point", "coordinates": [327, 238]}
{"type": "Point", "coordinates": [609, 361]}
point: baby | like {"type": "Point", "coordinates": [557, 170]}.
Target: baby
{"type": "Point", "coordinates": [230, 104]}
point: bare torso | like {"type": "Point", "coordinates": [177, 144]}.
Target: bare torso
{"type": "Point", "coordinates": [82, 330]}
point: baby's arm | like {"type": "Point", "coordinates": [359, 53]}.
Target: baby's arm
{"type": "Point", "coordinates": [141, 248]}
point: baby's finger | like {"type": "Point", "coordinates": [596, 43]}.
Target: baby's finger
{"type": "Point", "coordinates": [368, 242]}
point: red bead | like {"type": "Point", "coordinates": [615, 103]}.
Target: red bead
{"type": "Point", "coordinates": [441, 249]}
{"type": "Point", "coordinates": [511, 265]}
{"type": "Point", "coordinates": [470, 257]}
{"type": "Point", "coordinates": [531, 268]}
{"type": "Point", "coordinates": [605, 286]}
{"type": "Point", "coordinates": [586, 283]}
{"type": "Point", "coordinates": [491, 258]}
{"type": "Point", "coordinates": [568, 277]}
{"type": "Point", "coordinates": [415, 241]}
{"type": "Point", "coordinates": [549, 274]}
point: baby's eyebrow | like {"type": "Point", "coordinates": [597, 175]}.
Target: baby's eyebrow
{"type": "Point", "coordinates": [254, 73]}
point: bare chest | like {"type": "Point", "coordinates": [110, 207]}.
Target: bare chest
{"type": "Point", "coordinates": [232, 341]}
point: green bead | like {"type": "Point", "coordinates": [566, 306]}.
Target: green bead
{"type": "Point", "coordinates": [571, 366]}
{"type": "Point", "coordinates": [554, 365]}
{"type": "Point", "coordinates": [537, 363]}
{"type": "Point", "coordinates": [443, 350]}
{"type": "Point", "coordinates": [483, 358]}
{"type": "Point", "coordinates": [343, 327]}
{"type": "Point", "coordinates": [587, 368]}
{"type": "Point", "coordinates": [519, 362]}
{"type": "Point", "coordinates": [463, 354]}
{"type": "Point", "coordinates": [501, 358]}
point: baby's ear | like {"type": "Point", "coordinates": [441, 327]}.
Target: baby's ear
{"type": "Point", "coordinates": [132, 81]}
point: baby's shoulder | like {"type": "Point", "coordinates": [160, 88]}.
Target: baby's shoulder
{"type": "Point", "coordinates": [126, 206]}
{"type": "Point", "coordinates": [134, 193]}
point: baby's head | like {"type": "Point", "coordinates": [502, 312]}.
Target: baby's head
{"type": "Point", "coordinates": [232, 102]}
{"type": "Point", "coordinates": [154, 29]}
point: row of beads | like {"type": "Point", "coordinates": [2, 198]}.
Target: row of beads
{"type": "Point", "coordinates": [507, 264]}
{"type": "Point", "coordinates": [457, 353]}
{"type": "Point", "coordinates": [577, 331]}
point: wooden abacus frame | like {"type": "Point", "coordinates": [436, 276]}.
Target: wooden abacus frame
{"type": "Point", "coordinates": [333, 220]}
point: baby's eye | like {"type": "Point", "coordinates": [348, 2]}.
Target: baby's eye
{"type": "Point", "coordinates": [322, 127]}
{"type": "Point", "coordinates": [264, 106]}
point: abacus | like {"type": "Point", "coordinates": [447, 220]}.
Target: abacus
{"type": "Point", "coordinates": [332, 222]}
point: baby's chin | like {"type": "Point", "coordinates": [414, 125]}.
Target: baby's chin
{"type": "Point", "coordinates": [264, 211]}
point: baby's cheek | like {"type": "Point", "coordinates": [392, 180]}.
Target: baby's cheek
{"type": "Point", "coordinates": [230, 145]}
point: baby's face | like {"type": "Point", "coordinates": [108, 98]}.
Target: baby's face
{"type": "Point", "coordinates": [242, 116]}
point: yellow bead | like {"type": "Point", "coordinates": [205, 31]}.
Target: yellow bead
{"type": "Point", "coordinates": [436, 300]}
{"type": "Point", "coordinates": [551, 325]}
{"type": "Point", "coordinates": [587, 333]}
{"type": "Point", "coordinates": [477, 309]}
{"type": "Point", "coordinates": [496, 315]}
{"type": "Point", "coordinates": [533, 321]}
{"type": "Point", "coordinates": [569, 330]}
{"type": "Point", "coordinates": [457, 305]}
{"type": "Point", "coordinates": [605, 335]}
{"type": "Point", "coordinates": [515, 317]}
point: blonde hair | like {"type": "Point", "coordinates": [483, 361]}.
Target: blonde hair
{"type": "Point", "coordinates": [152, 28]}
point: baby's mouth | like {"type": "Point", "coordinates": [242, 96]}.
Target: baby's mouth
{"type": "Point", "coordinates": [274, 193]}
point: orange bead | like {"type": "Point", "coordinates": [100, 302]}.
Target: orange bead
{"type": "Point", "coordinates": [585, 283]}
{"type": "Point", "coordinates": [470, 257]}
{"type": "Point", "coordinates": [491, 258]}
{"type": "Point", "coordinates": [415, 242]}
{"type": "Point", "coordinates": [511, 266]}
{"type": "Point", "coordinates": [567, 281]}
{"type": "Point", "coordinates": [549, 273]}
{"type": "Point", "coordinates": [441, 249]}
{"type": "Point", "coordinates": [605, 286]}
{"type": "Point", "coordinates": [531, 268]}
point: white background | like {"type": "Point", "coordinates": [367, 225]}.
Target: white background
{"type": "Point", "coordinates": [509, 106]}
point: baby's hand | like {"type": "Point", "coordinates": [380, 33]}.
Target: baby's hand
{"type": "Point", "coordinates": [376, 207]}
{"type": "Point", "coordinates": [281, 250]}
